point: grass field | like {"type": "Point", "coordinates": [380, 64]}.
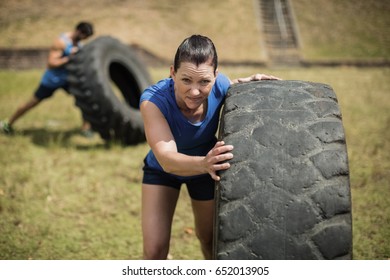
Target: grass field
{"type": "Point", "coordinates": [349, 29]}
{"type": "Point", "coordinates": [66, 197]}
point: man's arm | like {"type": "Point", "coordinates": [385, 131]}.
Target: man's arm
{"type": "Point", "coordinates": [55, 58]}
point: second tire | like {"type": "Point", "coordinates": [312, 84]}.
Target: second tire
{"type": "Point", "coordinates": [94, 72]}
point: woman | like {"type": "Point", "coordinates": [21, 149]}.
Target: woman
{"type": "Point", "coordinates": [181, 116]}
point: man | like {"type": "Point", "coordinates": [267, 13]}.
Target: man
{"type": "Point", "coordinates": [55, 76]}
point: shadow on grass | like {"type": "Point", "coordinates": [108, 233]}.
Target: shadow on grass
{"type": "Point", "coordinates": [63, 138]}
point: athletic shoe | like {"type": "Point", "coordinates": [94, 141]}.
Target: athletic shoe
{"type": "Point", "coordinates": [5, 127]}
{"type": "Point", "coordinates": [87, 133]}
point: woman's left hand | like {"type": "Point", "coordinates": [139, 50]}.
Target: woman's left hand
{"type": "Point", "coordinates": [255, 77]}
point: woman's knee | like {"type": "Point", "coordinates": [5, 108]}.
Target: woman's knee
{"type": "Point", "coordinates": [155, 251]}
{"type": "Point", "coordinates": [205, 235]}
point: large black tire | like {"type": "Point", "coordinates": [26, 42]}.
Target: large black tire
{"type": "Point", "coordinates": [92, 71]}
{"type": "Point", "coordinates": [287, 193]}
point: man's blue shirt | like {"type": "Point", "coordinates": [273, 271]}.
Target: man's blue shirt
{"type": "Point", "coordinates": [57, 77]}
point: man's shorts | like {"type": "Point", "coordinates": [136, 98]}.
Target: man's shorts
{"type": "Point", "coordinates": [199, 187]}
{"type": "Point", "coordinates": [44, 92]}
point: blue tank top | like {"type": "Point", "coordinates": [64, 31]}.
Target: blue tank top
{"type": "Point", "coordinates": [57, 77]}
{"type": "Point", "coordinates": [191, 139]}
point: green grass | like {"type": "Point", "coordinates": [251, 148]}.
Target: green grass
{"type": "Point", "coordinates": [348, 29]}
{"type": "Point", "coordinates": [66, 197]}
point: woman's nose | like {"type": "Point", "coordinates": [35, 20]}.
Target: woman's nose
{"type": "Point", "coordinates": [195, 90]}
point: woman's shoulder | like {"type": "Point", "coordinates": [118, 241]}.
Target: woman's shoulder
{"type": "Point", "coordinates": [221, 76]}
{"type": "Point", "coordinates": [222, 79]}
{"type": "Point", "coordinates": [159, 94]}
{"type": "Point", "coordinates": [222, 83]}
{"type": "Point", "coordinates": [159, 88]}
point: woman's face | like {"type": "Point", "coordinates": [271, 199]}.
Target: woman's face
{"type": "Point", "coordinates": [193, 84]}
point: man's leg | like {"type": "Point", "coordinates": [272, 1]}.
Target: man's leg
{"type": "Point", "coordinates": [86, 129]}
{"type": "Point", "coordinates": [21, 110]}
{"type": "Point", "coordinates": [41, 93]}
{"type": "Point", "coordinates": [158, 207]}
{"type": "Point", "coordinates": [86, 125]}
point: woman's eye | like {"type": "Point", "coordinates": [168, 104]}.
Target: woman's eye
{"type": "Point", "coordinates": [205, 82]}
{"type": "Point", "coordinates": [186, 81]}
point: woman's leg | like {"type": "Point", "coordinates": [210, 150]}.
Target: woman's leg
{"type": "Point", "coordinates": [158, 207]}
{"type": "Point", "coordinates": [204, 224]}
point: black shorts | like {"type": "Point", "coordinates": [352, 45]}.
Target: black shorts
{"type": "Point", "coordinates": [43, 91]}
{"type": "Point", "coordinates": [199, 187]}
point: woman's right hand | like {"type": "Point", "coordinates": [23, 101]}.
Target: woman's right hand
{"type": "Point", "coordinates": [216, 158]}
